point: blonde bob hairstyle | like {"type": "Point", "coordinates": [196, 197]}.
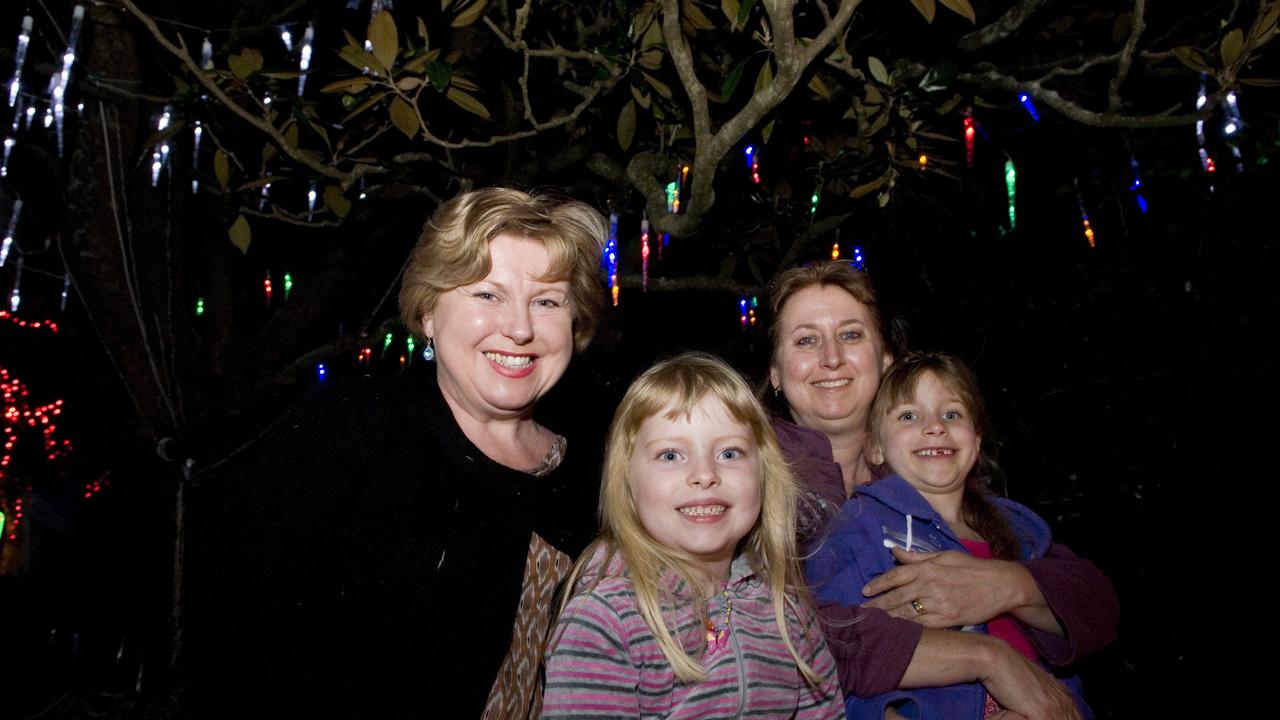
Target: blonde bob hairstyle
{"type": "Point", "coordinates": [674, 387]}
{"type": "Point", "coordinates": [453, 251]}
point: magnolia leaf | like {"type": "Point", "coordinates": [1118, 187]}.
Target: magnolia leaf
{"type": "Point", "coordinates": [350, 85]}
{"type": "Point", "coordinates": [269, 152]}
{"type": "Point", "coordinates": [422, 33]}
{"type": "Point", "coordinates": [650, 59]}
{"type": "Point", "coordinates": [695, 16]}
{"type": "Point", "coordinates": [1260, 82]}
{"type": "Point", "coordinates": [936, 136]}
{"type": "Point", "coordinates": [627, 125]}
{"type": "Point", "coordinates": [1231, 46]}
{"type": "Point", "coordinates": [468, 102]}
{"type": "Point", "coordinates": [419, 61]}
{"type": "Point", "coordinates": [464, 83]}
{"type": "Point", "coordinates": [439, 73]}
{"type": "Point", "coordinates": [927, 8]}
{"type": "Point", "coordinates": [730, 9]}
{"type": "Point", "coordinates": [884, 197]}
{"type": "Point", "coordinates": [248, 62]}
{"type": "Point", "coordinates": [404, 118]}
{"type": "Point", "coordinates": [1264, 27]}
{"type": "Point", "coordinates": [362, 61]}
{"type": "Point", "coordinates": [222, 169]}
{"type": "Point", "coordinates": [642, 98]}
{"type": "Point", "coordinates": [765, 77]}
{"type": "Point", "coordinates": [767, 131]}
{"type": "Point", "coordinates": [652, 47]}
{"type": "Point", "coordinates": [1120, 28]}
{"type": "Point", "coordinates": [368, 103]}
{"type": "Point", "coordinates": [409, 83]}
{"type": "Point", "coordinates": [877, 70]}
{"type": "Point", "coordinates": [1191, 57]}
{"type": "Point", "coordinates": [819, 87]}
{"type": "Point", "coordinates": [384, 38]}
{"type": "Point", "coordinates": [961, 8]}
{"type": "Point", "coordinates": [255, 184]}
{"type": "Point", "coordinates": [660, 87]}
{"type": "Point", "coordinates": [336, 201]}
{"type": "Point", "coordinates": [744, 12]}
{"type": "Point", "coordinates": [471, 14]}
{"type": "Point", "coordinates": [240, 233]}
{"type": "Point", "coordinates": [873, 95]}
{"type": "Point", "coordinates": [291, 134]}
{"type": "Point", "coordinates": [731, 80]}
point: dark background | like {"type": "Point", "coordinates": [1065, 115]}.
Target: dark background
{"type": "Point", "coordinates": [1131, 387]}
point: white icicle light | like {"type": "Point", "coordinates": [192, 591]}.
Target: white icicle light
{"type": "Point", "coordinates": [287, 38]}
{"type": "Point", "coordinates": [160, 155]}
{"type": "Point", "coordinates": [311, 201]}
{"type": "Point", "coordinates": [66, 288]}
{"type": "Point", "coordinates": [19, 57]}
{"type": "Point", "coordinates": [8, 148]}
{"type": "Point", "coordinates": [195, 157]}
{"type": "Point", "coordinates": [64, 77]}
{"type": "Point", "coordinates": [15, 298]}
{"type": "Point", "coordinates": [262, 199]}
{"type": "Point", "coordinates": [30, 115]}
{"type": "Point", "coordinates": [304, 60]}
{"type": "Point", "coordinates": [8, 236]}
{"type": "Point", "coordinates": [206, 54]}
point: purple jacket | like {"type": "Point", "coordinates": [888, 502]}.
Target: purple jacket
{"type": "Point", "coordinates": [873, 653]}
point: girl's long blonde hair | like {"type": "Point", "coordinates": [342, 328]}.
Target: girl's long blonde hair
{"type": "Point", "coordinates": [675, 387]}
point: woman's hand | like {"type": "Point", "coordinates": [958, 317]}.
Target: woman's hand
{"type": "Point", "coordinates": [954, 589]}
{"type": "Point", "coordinates": [1025, 689]}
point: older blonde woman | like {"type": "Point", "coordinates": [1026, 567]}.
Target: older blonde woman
{"type": "Point", "coordinates": [393, 548]}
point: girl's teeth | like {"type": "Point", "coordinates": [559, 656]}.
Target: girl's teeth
{"type": "Point", "coordinates": [932, 452]}
{"type": "Point", "coordinates": [511, 361]}
{"type": "Point", "coordinates": [702, 510]}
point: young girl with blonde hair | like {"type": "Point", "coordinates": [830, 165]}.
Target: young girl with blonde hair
{"type": "Point", "coordinates": [690, 602]}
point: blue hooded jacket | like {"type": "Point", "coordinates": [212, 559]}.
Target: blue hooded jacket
{"type": "Point", "coordinates": [890, 513]}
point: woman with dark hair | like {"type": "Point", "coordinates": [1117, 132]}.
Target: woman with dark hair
{"type": "Point", "coordinates": [830, 349]}
{"type": "Point", "coordinates": [392, 546]}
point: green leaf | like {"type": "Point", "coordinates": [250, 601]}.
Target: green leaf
{"type": "Point", "coordinates": [240, 233]}
{"type": "Point", "coordinates": [350, 85]}
{"type": "Point", "coordinates": [961, 8]}
{"type": "Point", "coordinates": [767, 131]}
{"type": "Point", "coordinates": [642, 98]}
{"type": "Point", "coordinates": [468, 102]}
{"type": "Point", "coordinates": [819, 87]}
{"type": "Point", "coordinates": [765, 77]}
{"type": "Point", "coordinates": [627, 125]}
{"type": "Point", "coordinates": [336, 201]}
{"type": "Point", "coordinates": [694, 15]}
{"type": "Point", "coordinates": [1191, 57]}
{"type": "Point", "coordinates": [404, 118]}
{"type": "Point", "coordinates": [222, 169]}
{"type": "Point", "coordinates": [744, 12]}
{"type": "Point", "coordinates": [927, 8]}
{"type": "Point", "coordinates": [877, 70]}
{"type": "Point", "coordinates": [439, 73]}
{"type": "Point", "coordinates": [369, 102]}
{"type": "Point", "coordinates": [384, 39]}
{"type": "Point", "coordinates": [731, 80]}
{"type": "Point", "coordinates": [1231, 47]}
{"type": "Point", "coordinates": [469, 15]}
{"type": "Point", "coordinates": [730, 9]}
{"type": "Point", "coordinates": [248, 62]}
{"type": "Point", "coordinates": [660, 87]}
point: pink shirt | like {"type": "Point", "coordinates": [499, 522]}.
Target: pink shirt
{"type": "Point", "coordinates": [1003, 626]}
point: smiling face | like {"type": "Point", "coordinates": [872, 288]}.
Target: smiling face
{"type": "Point", "coordinates": [696, 482]}
{"type": "Point", "coordinates": [503, 342]}
{"type": "Point", "coordinates": [828, 359]}
{"type": "Point", "coordinates": [929, 439]}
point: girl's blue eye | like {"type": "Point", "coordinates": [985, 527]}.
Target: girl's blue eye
{"type": "Point", "coordinates": [668, 456]}
{"type": "Point", "coordinates": [907, 416]}
{"type": "Point", "coordinates": [731, 454]}
{"type": "Point", "coordinates": [952, 415]}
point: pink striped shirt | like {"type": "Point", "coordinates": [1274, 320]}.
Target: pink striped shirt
{"type": "Point", "coordinates": [605, 662]}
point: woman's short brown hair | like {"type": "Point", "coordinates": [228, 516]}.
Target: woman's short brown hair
{"type": "Point", "coordinates": [453, 250]}
{"type": "Point", "coordinates": [836, 273]}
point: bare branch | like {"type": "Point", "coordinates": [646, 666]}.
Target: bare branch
{"type": "Point", "coordinates": [1070, 110]}
{"type": "Point", "coordinates": [1002, 28]}
{"type": "Point", "coordinates": [1136, 26]}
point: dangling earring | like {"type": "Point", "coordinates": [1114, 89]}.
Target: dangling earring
{"type": "Point", "coordinates": [777, 393]}
{"type": "Point", "coordinates": [429, 352]}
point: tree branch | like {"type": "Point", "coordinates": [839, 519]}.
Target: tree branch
{"type": "Point", "coordinates": [1002, 28]}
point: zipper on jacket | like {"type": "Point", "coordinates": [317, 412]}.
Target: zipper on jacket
{"type": "Point", "coordinates": [742, 672]}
